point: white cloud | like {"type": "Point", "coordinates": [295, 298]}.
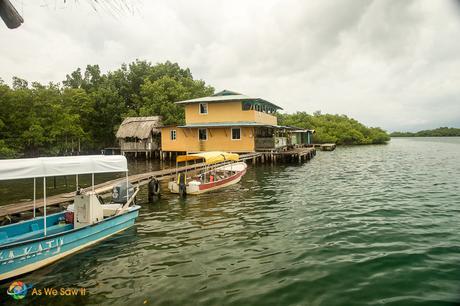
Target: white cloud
{"type": "Point", "coordinates": [394, 64]}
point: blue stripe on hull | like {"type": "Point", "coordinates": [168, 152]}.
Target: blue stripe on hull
{"type": "Point", "coordinates": [25, 257]}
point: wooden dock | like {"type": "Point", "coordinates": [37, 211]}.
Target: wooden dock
{"type": "Point", "coordinates": [293, 155]}
{"type": "Point", "coordinates": [15, 209]}
{"type": "Point", "coordinates": [24, 209]}
{"type": "Point", "coordinates": [327, 147]}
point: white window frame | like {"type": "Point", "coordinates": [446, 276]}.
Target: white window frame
{"type": "Point", "coordinates": [199, 134]}
{"type": "Point", "coordinates": [199, 108]}
{"type": "Point", "coordinates": [231, 133]}
{"type": "Point", "coordinates": [171, 133]}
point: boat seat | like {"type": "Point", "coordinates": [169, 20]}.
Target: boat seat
{"type": "Point", "coordinates": [111, 209]}
{"type": "Point", "coordinates": [37, 233]}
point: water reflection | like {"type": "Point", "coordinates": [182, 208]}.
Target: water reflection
{"type": "Point", "coordinates": [358, 226]}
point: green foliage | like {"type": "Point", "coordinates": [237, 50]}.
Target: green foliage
{"type": "Point", "coordinates": [84, 113]}
{"type": "Point", "coordinates": [439, 132]}
{"type": "Point", "coordinates": [157, 94]}
{"type": "Point", "coordinates": [335, 128]}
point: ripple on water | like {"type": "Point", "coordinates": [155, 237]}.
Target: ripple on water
{"type": "Point", "coordinates": [363, 225]}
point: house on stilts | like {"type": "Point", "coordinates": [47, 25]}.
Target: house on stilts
{"type": "Point", "coordinates": [232, 122]}
{"type": "Point", "coordinates": [140, 136]}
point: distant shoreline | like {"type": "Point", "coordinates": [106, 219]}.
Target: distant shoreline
{"type": "Point", "coordinates": [439, 132]}
{"type": "Point", "coordinates": [416, 136]}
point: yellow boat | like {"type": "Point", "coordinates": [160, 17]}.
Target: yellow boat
{"type": "Point", "coordinates": [212, 177]}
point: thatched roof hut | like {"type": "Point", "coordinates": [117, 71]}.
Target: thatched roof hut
{"type": "Point", "coordinates": [140, 134]}
{"type": "Point", "coordinates": [139, 127]}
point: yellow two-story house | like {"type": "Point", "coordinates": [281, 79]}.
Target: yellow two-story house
{"type": "Point", "coordinates": [227, 121]}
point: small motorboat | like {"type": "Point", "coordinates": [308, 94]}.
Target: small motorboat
{"type": "Point", "coordinates": [29, 245]}
{"type": "Point", "coordinates": [221, 170]}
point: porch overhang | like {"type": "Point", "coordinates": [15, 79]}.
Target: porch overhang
{"type": "Point", "coordinates": [226, 124]}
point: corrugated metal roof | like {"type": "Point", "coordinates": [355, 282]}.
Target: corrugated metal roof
{"type": "Point", "coordinates": [225, 96]}
{"type": "Point", "coordinates": [226, 92]}
{"type": "Point", "coordinates": [139, 127]}
{"type": "Point", "coordinates": [303, 131]}
{"type": "Point", "coordinates": [224, 124]}
{"type": "Point", "coordinates": [211, 157]}
{"type": "Point", "coordinates": [243, 123]}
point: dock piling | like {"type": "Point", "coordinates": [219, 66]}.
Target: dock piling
{"type": "Point", "coordinates": [272, 157]}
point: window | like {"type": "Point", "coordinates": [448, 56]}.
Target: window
{"type": "Point", "coordinates": [202, 134]}
{"type": "Point", "coordinates": [203, 108]}
{"type": "Point", "coordinates": [247, 105]}
{"type": "Point", "coordinates": [236, 133]}
{"type": "Point", "coordinates": [173, 134]}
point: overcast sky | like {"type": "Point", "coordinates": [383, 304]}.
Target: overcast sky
{"type": "Point", "coordinates": [394, 64]}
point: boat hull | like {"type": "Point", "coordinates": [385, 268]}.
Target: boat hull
{"type": "Point", "coordinates": [211, 186]}
{"type": "Point", "coordinates": [23, 257]}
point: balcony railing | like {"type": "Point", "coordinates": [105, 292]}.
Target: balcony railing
{"type": "Point", "coordinates": [267, 143]}
{"type": "Point", "coordinates": [138, 146]}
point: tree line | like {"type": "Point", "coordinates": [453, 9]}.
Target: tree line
{"type": "Point", "coordinates": [338, 129]}
{"type": "Point", "coordinates": [439, 132]}
{"type": "Point", "coordinates": [83, 112]}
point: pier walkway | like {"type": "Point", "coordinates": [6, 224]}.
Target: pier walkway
{"type": "Point", "coordinates": [16, 209]}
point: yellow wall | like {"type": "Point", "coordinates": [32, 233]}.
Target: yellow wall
{"type": "Point", "coordinates": [219, 139]}
{"type": "Point", "coordinates": [225, 112]}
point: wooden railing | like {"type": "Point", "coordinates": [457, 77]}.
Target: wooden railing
{"type": "Point", "coordinates": [264, 143]}
{"type": "Point", "coordinates": [134, 146]}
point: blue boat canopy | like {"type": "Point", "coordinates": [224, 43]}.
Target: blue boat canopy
{"type": "Point", "coordinates": [22, 168]}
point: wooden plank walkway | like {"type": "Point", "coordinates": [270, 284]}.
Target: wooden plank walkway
{"type": "Point", "coordinates": [328, 147]}
{"type": "Point", "coordinates": [106, 187]}
{"type": "Point", "coordinates": [16, 209]}
{"type": "Point", "coordinates": [296, 154]}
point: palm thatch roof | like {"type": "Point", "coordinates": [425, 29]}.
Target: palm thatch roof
{"type": "Point", "coordinates": [139, 127]}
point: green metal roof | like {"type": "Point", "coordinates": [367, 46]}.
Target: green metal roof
{"type": "Point", "coordinates": [244, 123]}
{"type": "Point", "coordinates": [225, 124]}
{"type": "Point", "coordinates": [294, 129]}
{"type": "Point", "coordinates": [226, 92]}
{"type": "Point", "coordinates": [226, 96]}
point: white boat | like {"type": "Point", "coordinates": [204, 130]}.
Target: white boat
{"type": "Point", "coordinates": [213, 176]}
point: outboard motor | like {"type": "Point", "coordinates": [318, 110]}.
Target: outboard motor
{"type": "Point", "coordinates": [119, 192]}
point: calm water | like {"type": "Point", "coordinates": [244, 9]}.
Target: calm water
{"type": "Point", "coordinates": [370, 225]}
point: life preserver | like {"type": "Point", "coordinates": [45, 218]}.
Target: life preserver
{"type": "Point", "coordinates": [154, 190]}
{"type": "Point", "coordinates": [154, 187]}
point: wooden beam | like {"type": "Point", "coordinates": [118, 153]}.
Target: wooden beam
{"type": "Point", "coordinates": [10, 15]}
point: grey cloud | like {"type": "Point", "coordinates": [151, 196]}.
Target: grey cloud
{"type": "Point", "coordinates": [394, 64]}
